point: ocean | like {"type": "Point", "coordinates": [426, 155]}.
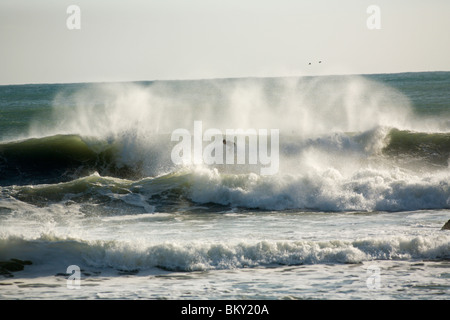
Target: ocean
{"type": "Point", "coordinates": [93, 205]}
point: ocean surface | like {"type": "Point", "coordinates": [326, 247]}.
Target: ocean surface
{"type": "Point", "coordinates": [92, 200]}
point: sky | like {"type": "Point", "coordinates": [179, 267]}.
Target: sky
{"type": "Point", "coordinates": [137, 40]}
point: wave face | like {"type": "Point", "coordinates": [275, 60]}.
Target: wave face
{"type": "Point", "coordinates": [408, 171]}
{"type": "Point", "coordinates": [432, 149]}
{"type": "Point", "coordinates": [64, 157]}
{"type": "Point", "coordinates": [59, 158]}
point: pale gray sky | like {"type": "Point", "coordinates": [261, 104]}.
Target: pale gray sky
{"type": "Point", "coordinates": [133, 40]}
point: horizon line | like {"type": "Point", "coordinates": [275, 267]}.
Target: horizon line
{"type": "Point", "coordinates": [215, 78]}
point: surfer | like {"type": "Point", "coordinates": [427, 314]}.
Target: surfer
{"type": "Point", "coordinates": [231, 149]}
{"type": "Point", "coordinates": [229, 144]}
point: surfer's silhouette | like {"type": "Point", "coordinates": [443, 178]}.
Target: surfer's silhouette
{"type": "Point", "coordinates": [228, 144]}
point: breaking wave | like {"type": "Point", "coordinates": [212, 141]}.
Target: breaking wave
{"type": "Point", "coordinates": [198, 256]}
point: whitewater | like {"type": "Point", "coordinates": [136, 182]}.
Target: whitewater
{"type": "Point", "coordinates": [355, 210]}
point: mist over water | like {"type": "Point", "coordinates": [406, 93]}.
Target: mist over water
{"type": "Point", "coordinates": [300, 106]}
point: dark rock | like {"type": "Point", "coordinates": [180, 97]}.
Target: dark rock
{"type": "Point", "coordinates": [5, 273]}
{"type": "Point", "coordinates": [13, 265]}
{"type": "Point", "coordinates": [446, 226]}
